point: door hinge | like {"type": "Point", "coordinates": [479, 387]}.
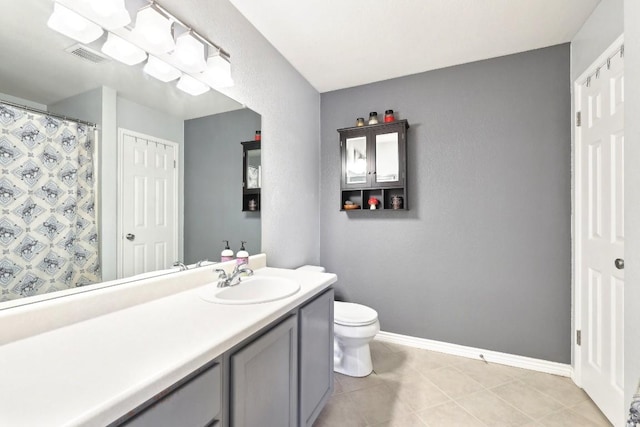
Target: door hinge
{"type": "Point", "coordinates": [578, 118]}
{"type": "Point", "coordinates": [174, 164]}
{"type": "Point", "coordinates": [579, 337]}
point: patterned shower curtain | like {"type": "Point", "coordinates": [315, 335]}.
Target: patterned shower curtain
{"type": "Point", "coordinates": [48, 230]}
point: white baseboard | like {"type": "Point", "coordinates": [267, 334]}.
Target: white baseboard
{"type": "Point", "coordinates": [474, 353]}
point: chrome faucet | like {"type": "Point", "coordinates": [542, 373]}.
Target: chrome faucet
{"type": "Point", "coordinates": [225, 280]}
{"type": "Point", "coordinates": [181, 265]}
{"type": "Point", "coordinates": [202, 262]}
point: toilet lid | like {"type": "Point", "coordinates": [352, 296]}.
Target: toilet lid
{"type": "Point", "coordinates": [351, 314]}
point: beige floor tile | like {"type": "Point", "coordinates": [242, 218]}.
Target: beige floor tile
{"type": "Point", "coordinates": [337, 387]}
{"type": "Point", "coordinates": [348, 383]}
{"type": "Point", "coordinates": [403, 420]}
{"type": "Point", "coordinates": [418, 392]}
{"type": "Point", "coordinates": [393, 347]}
{"type": "Point", "coordinates": [424, 360]}
{"type": "Point", "coordinates": [487, 374]}
{"type": "Point", "coordinates": [378, 348]}
{"type": "Point", "coordinates": [527, 399]}
{"type": "Point", "coordinates": [448, 359]}
{"type": "Point", "coordinates": [453, 382]}
{"type": "Point", "coordinates": [566, 418]}
{"type": "Point", "coordinates": [492, 410]}
{"type": "Point", "coordinates": [393, 365]}
{"type": "Point", "coordinates": [448, 415]}
{"type": "Point", "coordinates": [378, 404]}
{"type": "Point", "coordinates": [340, 411]}
{"type": "Point", "coordinates": [589, 410]}
{"type": "Point", "coordinates": [560, 388]}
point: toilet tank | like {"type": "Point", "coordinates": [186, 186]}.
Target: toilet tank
{"type": "Point", "coordinates": [314, 268]}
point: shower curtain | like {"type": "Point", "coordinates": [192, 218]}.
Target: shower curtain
{"type": "Point", "coordinates": [48, 230]}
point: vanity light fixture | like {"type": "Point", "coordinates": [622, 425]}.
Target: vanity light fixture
{"type": "Point", "coordinates": [189, 53]}
{"type": "Point", "coordinates": [154, 30]}
{"type": "Point", "coordinates": [151, 37]}
{"type": "Point", "coordinates": [218, 72]}
{"type": "Point", "coordinates": [191, 86]}
{"type": "Point", "coordinates": [161, 70]}
{"type": "Point", "coordinates": [67, 22]}
{"type": "Point", "coordinates": [109, 14]}
{"type": "Point", "coordinates": [123, 51]}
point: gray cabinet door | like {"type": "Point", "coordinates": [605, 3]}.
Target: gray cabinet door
{"type": "Point", "coordinates": [196, 403]}
{"type": "Point", "coordinates": [316, 356]}
{"type": "Point", "coordinates": [264, 380]}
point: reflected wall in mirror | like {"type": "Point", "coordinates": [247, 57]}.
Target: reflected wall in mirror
{"type": "Point", "coordinates": [387, 161]}
{"type": "Point", "coordinates": [213, 185]}
{"type": "Point", "coordinates": [356, 158]}
{"type": "Point", "coordinates": [42, 73]}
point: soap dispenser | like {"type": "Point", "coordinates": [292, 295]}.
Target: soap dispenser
{"type": "Point", "coordinates": [227, 253]}
{"type": "Point", "coordinates": [242, 256]}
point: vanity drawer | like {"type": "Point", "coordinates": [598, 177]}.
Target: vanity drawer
{"type": "Point", "coordinates": [194, 403]}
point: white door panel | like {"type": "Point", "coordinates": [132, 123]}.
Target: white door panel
{"type": "Point", "coordinates": [600, 237]}
{"type": "Point", "coordinates": [149, 204]}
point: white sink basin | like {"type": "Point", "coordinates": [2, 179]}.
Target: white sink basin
{"type": "Point", "coordinates": [251, 290]}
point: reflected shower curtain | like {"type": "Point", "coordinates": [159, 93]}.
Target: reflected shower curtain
{"type": "Point", "coordinates": [48, 230]}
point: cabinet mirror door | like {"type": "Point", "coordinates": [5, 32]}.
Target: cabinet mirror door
{"type": "Point", "coordinates": [356, 160]}
{"type": "Point", "coordinates": [254, 169]}
{"type": "Point", "coordinates": [387, 158]}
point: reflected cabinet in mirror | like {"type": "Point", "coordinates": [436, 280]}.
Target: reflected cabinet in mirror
{"type": "Point", "coordinates": [63, 193]}
{"type": "Point", "coordinates": [251, 176]}
{"type": "Point", "coordinates": [374, 167]}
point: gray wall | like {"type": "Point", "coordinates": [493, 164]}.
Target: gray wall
{"type": "Point", "coordinates": [632, 197]}
{"type": "Point", "coordinates": [213, 185]}
{"type": "Point", "coordinates": [290, 109]}
{"type": "Point", "coordinates": [483, 257]}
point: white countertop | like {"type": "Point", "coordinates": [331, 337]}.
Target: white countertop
{"type": "Point", "coordinates": [94, 371]}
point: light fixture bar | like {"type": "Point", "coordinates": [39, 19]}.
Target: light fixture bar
{"type": "Point", "coordinates": [169, 15]}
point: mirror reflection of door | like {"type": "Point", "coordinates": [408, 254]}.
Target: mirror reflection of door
{"type": "Point", "coordinates": [387, 161]}
{"type": "Point", "coordinates": [356, 157]}
{"type": "Point", "coordinates": [149, 217]}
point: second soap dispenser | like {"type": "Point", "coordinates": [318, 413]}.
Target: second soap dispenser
{"type": "Point", "coordinates": [242, 256]}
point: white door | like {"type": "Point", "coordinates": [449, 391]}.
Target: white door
{"type": "Point", "coordinates": [600, 237]}
{"type": "Point", "coordinates": [148, 196]}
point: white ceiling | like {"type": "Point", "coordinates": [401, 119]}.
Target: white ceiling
{"type": "Point", "coordinates": [336, 44]}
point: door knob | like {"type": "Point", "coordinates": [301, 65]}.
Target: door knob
{"type": "Point", "coordinates": [131, 237]}
{"type": "Point", "coordinates": [619, 263]}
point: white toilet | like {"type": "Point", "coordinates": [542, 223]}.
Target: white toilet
{"type": "Point", "coordinates": [354, 326]}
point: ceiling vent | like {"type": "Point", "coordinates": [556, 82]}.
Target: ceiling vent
{"type": "Point", "coordinates": [86, 53]}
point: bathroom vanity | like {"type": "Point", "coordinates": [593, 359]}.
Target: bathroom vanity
{"type": "Point", "coordinates": [179, 360]}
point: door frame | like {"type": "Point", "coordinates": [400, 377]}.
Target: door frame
{"type": "Point", "coordinates": [576, 225]}
{"type": "Point", "coordinates": [120, 188]}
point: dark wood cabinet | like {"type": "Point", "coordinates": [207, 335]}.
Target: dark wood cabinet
{"type": "Point", "coordinates": [374, 164]}
{"type": "Point", "coordinates": [251, 176]}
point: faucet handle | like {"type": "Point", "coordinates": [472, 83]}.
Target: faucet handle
{"type": "Point", "coordinates": [221, 273]}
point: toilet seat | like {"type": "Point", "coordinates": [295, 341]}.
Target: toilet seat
{"type": "Point", "coordinates": [351, 314]}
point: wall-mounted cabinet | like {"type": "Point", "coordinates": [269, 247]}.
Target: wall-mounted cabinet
{"type": "Point", "coordinates": [374, 162]}
{"type": "Point", "coordinates": [251, 176]}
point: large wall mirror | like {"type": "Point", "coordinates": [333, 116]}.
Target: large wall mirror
{"type": "Point", "coordinates": [55, 235]}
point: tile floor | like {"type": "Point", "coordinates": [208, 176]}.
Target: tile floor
{"type": "Point", "coordinates": [413, 387]}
